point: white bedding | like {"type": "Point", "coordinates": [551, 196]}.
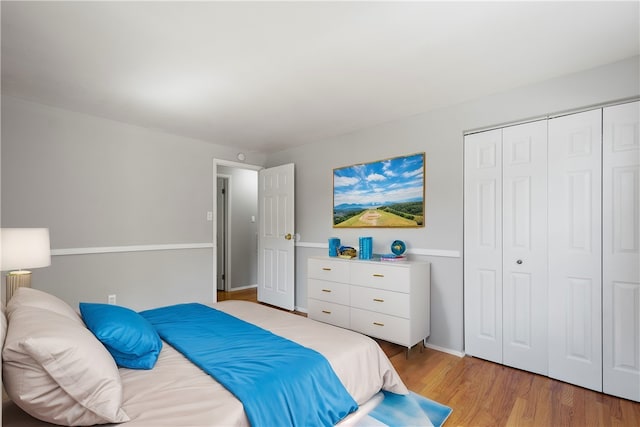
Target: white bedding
{"type": "Point", "coordinates": [177, 393]}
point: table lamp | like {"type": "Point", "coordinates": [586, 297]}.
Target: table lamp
{"type": "Point", "coordinates": [22, 248]}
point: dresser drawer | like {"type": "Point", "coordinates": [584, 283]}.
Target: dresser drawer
{"type": "Point", "coordinates": [380, 301]}
{"type": "Point", "coordinates": [328, 291]}
{"type": "Point", "coordinates": [333, 270]}
{"type": "Point", "coordinates": [328, 312]}
{"type": "Point", "coordinates": [383, 326]}
{"type": "Point", "coordinates": [382, 276]}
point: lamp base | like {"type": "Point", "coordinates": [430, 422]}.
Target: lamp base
{"type": "Point", "coordinates": [15, 280]}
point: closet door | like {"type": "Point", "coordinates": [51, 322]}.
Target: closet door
{"type": "Point", "coordinates": [575, 284]}
{"type": "Point", "coordinates": [524, 258]}
{"type": "Point", "coordinates": [621, 251]}
{"type": "Point", "coordinates": [483, 245]}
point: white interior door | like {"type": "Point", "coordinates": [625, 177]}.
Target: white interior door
{"type": "Point", "coordinates": [483, 245]}
{"type": "Point", "coordinates": [621, 251]}
{"type": "Point", "coordinates": [575, 246]}
{"type": "Point", "coordinates": [276, 242]}
{"type": "Point", "coordinates": [524, 246]}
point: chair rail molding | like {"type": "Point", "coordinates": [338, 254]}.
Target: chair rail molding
{"type": "Point", "coordinates": [130, 248]}
{"type": "Point", "coordinates": [413, 251]}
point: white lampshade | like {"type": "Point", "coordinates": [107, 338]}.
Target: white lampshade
{"type": "Point", "coordinates": [23, 248]}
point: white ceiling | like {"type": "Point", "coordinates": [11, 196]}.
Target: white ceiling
{"type": "Point", "coordinates": [266, 76]}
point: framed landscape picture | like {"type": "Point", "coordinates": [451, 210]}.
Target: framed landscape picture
{"type": "Point", "coordinates": [387, 193]}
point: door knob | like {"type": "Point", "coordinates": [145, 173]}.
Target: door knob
{"type": "Point", "coordinates": [288, 236]}
{"type": "Point", "coordinates": [519, 261]}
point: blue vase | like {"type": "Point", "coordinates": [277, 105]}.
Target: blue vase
{"type": "Point", "coordinates": [334, 244]}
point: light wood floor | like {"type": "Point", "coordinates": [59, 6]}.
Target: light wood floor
{"type": "Point", "coordinates": [482, 393]}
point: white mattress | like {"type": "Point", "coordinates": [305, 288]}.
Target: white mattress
{"type": "Point", "coordinates": [177, 393]}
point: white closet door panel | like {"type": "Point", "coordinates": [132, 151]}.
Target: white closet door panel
{"type": "Point", "coordinates": [483, 245]}
{"type": "Point", "coordinates": [575, 276]}
{"type": "Point", "coordinates": [524, 180]}
{"type": "Point", "coordinates": [621, 250]}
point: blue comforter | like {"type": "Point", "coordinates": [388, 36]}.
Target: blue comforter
{"type": "Point", "coordinates": [279, 382]}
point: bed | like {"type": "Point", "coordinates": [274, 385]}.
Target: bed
{"type": "Point", "coordinates": [175, 392]}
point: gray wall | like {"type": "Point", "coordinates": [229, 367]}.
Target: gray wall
{"type": "Point", "coordinates": [99, 183]}
{"type": "Point", "coordinates": [243, 233]}
{"type": "Point", "coordinates": [440, 135]}
{"type": "Point", "coordinates": [96, 183]}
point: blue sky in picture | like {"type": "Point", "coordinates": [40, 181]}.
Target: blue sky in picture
{"type": "Point", "coordinates": [385, 182]}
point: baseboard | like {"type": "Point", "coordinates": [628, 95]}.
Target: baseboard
{"type": "Point", "coordinates": [445, 350]}
{"type": "Point", "coordinates": [242, 288]}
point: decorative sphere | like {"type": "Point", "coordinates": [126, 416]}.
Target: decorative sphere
{"type": "Point", "coordinates": [398, 247]}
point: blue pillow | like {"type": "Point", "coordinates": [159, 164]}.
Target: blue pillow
{"type": "Point", "coordinates": [129, 337]}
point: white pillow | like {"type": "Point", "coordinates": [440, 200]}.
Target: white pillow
{"type": "Point", "coordinates": [3, 327]}
{"type": "Point", "coordinates": [57, 371]}
{"type": "Point", "coordinates": [35, 298]}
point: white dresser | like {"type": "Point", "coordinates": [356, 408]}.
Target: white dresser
{"type": "Point", "coordinates": [383, 299]}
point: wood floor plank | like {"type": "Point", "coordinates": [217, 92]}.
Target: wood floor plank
{"type": "Point", "coordinates": [483, 393]}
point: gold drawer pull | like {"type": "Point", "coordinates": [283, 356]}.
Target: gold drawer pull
{"type": "Point", "coordinates": [378, 275]}
{"type": "Point", "coordinates": [378, 300]}
{"type": "Point", "coordinates": [326, 312]}
{"type": "Point", "coordinates": [378, 324]}
{"type": "Point", "coordinates": [326, 290]}
{"type": "Point", "coordinates": [326, 268]}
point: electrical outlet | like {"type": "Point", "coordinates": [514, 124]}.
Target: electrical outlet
{"type": "Point", "coordinates": [112, 299]}
{"type": "Point", "coordinates": [209, 216]}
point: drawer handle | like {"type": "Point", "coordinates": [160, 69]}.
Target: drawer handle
{"type": "Point", "coordinates": [326, 268]}
{"type": "Point", "coordinates": [326, 290]}
{"type": "Point", "coordinates": [378, 300]}
{"type": "Point", "coordinates": [378, 275]}
{"type": "Point", "coordinates": [378, 324]}
{"type": "Point", "coordinates": [326, 312]}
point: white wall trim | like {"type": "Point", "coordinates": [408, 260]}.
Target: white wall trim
{"type": "Point", "coordinates": [182, 246]}
{"type": "Point", "coordinates": [445, 350]}
{"type": "Point", "coordinates": [132, 248]}
{"type": "Point", "coordinates": [232, 164]}
{"type": "Point", "coordinates": [434, 252]}
{"type": "Point", "coordinates": [313, 245]}
{"type": "Point", "coordinates": [553, 115]}
{"type": "Point", "coordinates": [242, 288]}
{"type": "Point", "coordinates": [414, 251]}
{"type": "Point", "coordinates": [300, 309]}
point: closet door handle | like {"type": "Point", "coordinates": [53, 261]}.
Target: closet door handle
{"type": "Point", "coordinates": [519, 261]}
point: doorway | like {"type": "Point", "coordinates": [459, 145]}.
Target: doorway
{"type": "Point", "coordinates": [235, 225]}
{"type": "Point", "coordinates": [255, 255]}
